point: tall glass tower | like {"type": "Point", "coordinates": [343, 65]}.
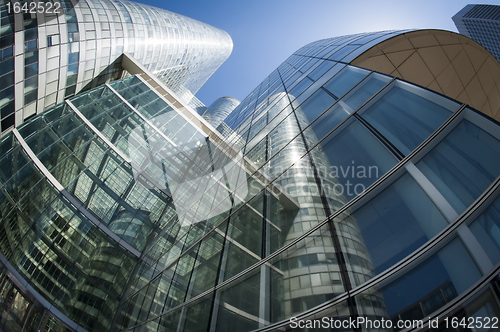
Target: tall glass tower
{"type": "Point", "coordinates": [334, 196]}
{"type": "Point", "coordinates": [53, 56]}
{"type": "Point", "coordinates": [219, 110]}
{"type": "Point", "coordinates": [481, 23]}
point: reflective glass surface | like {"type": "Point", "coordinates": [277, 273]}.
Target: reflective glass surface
{"type": "Point", "coordinates": [463, 164]}
{"type": "Point", "coordinates": [486, 228]}
{"type": "Point", "coordinates": [124, 215]}
{"type": "Point", "coordinates": [407, 115]}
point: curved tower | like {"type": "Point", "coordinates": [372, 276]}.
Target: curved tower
{"type": "Point", "coordinates": [369, 145]}
{"type": "Point", "coordinates": [219, 110]}
{"type": "Point", "coordinates": [80, 48]}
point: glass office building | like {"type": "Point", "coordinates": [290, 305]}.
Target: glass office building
{"type": "Point", "coordinates": [481, 23]}
{"type": "Point", "coordinates": [332, 191]}
{"type": "Point", "coordinates": [47, 57]}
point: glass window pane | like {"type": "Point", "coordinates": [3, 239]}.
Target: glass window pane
{"type": "Point", "coordinates": [205, 273]}
{"type": "Point", "coordinates": [428, 286]}
{"type": "Point", "coordinates": [463, 165]}
{"type": "Point", "coordinates": [345, 80]}
{"type": "Point", "coordinates": [73, 57]}
{"type": "Point", "coordinates": [483, 309]}
{"type": "Point", "coordinates": [6, 66]}
{"type": "Point", "coordinates": [350, 160]}
{"type": "Point", "coordinates": [365, 90]}
{"type": "Point", "coordinates": [329, 120]}
{"type": "Point", "coordinates": [341, 53]}
{"type": "Point", "coordinates": [319, 83]}
{"type": "Point", "coordinates": [486, 228]}
{"type": "Point", "coordinates": [258, 153]}
{"type": "Point", "coordinates": [7, 122]}
{"type": "Point", "coordinates": [316, 104]}
{"type": "Point", "coordinates": [407, 115]}
{"type": "Point", "coordinates": [30, 97]}
{"type": "Point", "coordinates": [197, 315]}
{"type": "Point", "coordinates": [321, 69]}
{"type": "Point", "coordinates": [297, 90]}
{"type": "Point", "coordinates": [396, 222]}
{"type": "Point", "coordinates": [232, 304]}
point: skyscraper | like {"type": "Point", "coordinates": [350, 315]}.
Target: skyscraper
{"type": "Point", "coordinates": [52, 56]}
{"type": "Point", "coordinates": [219, 110]}
{"type": "Point", "coordinates": [332, 191]}
{"type": "Point", "coordinates": [481, 23]}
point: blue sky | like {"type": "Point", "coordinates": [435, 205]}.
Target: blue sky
{"type": "Point", "coordinates": [266, 32]}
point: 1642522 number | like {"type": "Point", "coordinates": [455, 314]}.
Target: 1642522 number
{"type": "Point", "coordinates": [471, 322]}
{"type": "Point", "coordinates": [34, 7]}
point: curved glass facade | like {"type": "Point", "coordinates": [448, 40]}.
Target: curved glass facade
{"type": "Point", "coordinates": [380, 228]}
{"type": "Point", "coordinates": [219, 110]}
{"type": "Point", "coordinates": [443, 61]}
{"type": "Point", "coordinates": [341, 195]}
{"type": "Point", "coordinates": [65, 54]}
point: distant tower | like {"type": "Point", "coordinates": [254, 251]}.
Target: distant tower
{"type": "Point", "coordinates": [481, 23]}
{"type": "Point", "coordinates": [220, 109]}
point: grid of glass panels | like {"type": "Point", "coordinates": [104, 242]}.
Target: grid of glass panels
{"type": "Point", "coordinates": [481, 23]}
{"type": "Point", "coordinates": [125, 160]}
{"type": "Point", "coordinates": [78, 268]}
{"type": "Point", "coordinates": [323, 132]}
{"type": "Point", "coordinates": [7, 107]}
